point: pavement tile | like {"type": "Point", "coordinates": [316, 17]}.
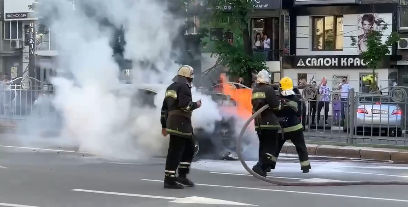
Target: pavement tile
{"type": "Point", "coordinates": [399, 156]}
{"type": "Point", "coordinates": [375, 154]}
{"type": "Point", "coordinates": [312, 150]}
{"type": "Point", "coordinates": [335, 151]}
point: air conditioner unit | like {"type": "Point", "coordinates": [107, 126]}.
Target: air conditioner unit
{"type": "Point", "coordinates": [16, 44]}
{"type": "Point", "coordinates": [403, 44]}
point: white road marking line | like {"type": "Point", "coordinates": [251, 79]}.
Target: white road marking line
{"type": "Point", "coordinates": [124, 194]}
{"type": "Point", "coordinates": [3, 167]}
{"type": "Point", "coordinates": [223, 173]}
{"type": "Point", "coordinates": [122, 163]}
{"type": "Point", "coordinates": [191, 199]}
{"type": "Point", "coordinates": [377, 174]}
{"type": "Point", "coordinates": [295, 192]}
{"type": "Point", "coordinates": [44, 149]}
{"type": "Point", "coordinates": [320, 180]}
{"type": "Point", "coordinates": [14, 205]}
{"type": "Point", "coordinates": [387, 167]}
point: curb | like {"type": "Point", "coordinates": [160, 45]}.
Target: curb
{"type": "Point", "coordinates": [366, 153]}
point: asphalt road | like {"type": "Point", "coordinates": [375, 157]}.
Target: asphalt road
{"type": "Point", "coordinates": [52, 178]}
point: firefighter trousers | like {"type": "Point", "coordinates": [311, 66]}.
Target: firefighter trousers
{"type": "Point", "coordinates": [180, 155]}
{"type": "Point", "coordinates": [298, 140]}
{"type": "Point", "coordinates": [268, 144]}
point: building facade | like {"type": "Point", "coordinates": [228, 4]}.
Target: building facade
{"type": "Point", "coordinates": [28, 45]}
{"type": "Point", "coordinates": [327, 37]}
{"type": "Point", "coordinates": [270, 18]}
{"type": "Point", "coordinates": [403, 43]}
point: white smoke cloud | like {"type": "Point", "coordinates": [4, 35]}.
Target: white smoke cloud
{"type": "Point", "coordinates": [94, 118]}
{"type": "Point", "coordinates": [204, 117]}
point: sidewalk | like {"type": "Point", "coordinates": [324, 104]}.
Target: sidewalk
{"type": "Point", "coordinates": [367, 153]}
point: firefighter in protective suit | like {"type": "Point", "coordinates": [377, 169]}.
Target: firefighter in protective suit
{"type": "Point", "coordinates": [176, 120]}
{"type": "Point", "coordinates": [289, 120]}
{"type": "Point", "coordinates": [267, 124]}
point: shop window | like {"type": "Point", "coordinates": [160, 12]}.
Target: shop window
{"type": "Point", "coordinates": [327, 33]}
{"type": "Point", "coordinates": [13, 30]}
{"type": "Point", "coordinates": [392, 79]}
{"type": "Point", "coordinates": [404, 79]}
{"type": "Point", "coordinates": [366, 82]}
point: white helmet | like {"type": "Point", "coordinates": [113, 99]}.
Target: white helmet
{"type": "Point", "coordinates": [186, 71]}
{"type": "Point", "coordinates": [263, 77]}
{"type": "Point", "coordinates": [185, 74]}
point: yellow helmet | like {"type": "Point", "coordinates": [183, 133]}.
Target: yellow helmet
{"type": "Point", "coordinates": [186, 71]}
{"type": "Point", "coordinates": [286, 84]}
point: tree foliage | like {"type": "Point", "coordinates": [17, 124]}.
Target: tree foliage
{"type": "Point", "coordinates": [376, 48]}
{"type": "Point", "coordinates": [238, 55]}
{"type": "Point", "coordinates": [41, 28]}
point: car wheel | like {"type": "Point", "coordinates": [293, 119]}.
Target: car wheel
{"type": "Point", "coordinates": [196, 148]}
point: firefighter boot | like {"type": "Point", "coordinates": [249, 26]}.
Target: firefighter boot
{"type": "Point", "coordinates": [183, 171]}
{"type": "Point", "coordinates": [183, 180]}
{"type": "Point", "coordinates": [258, 169]}
{"type": "Point", "coordinates": [305, 166]}
{"type": "Point", "coordinates": [271, 160]}
{"type": "Point", "coordinates": [170, 181]}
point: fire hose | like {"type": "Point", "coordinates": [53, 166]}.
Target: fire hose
{"type": "Point", "coordinates": [286, 183]}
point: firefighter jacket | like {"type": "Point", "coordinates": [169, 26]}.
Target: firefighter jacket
{"type": "Point", "coordinates": [177, 110]}
{"type": "Point", "coordinates": [290, 113]}
{"type": "Point", "coordinates": [263, 94]}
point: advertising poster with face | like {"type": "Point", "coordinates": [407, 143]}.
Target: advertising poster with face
{"type": "Point", "coordinates": [366, 23]}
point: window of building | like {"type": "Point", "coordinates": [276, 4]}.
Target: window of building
{"type": "Point", "coordinates": [403, 17]}
{"type": "Point", "coordinates": [262, 28]}
{"type": "Point", "coordinates": [327, 33]}
{"type": "Point", "coordinates": [194, 28]}
{"type": "Point", "coordinates": [13, 30]}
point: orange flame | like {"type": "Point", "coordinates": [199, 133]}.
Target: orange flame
{"type": "Point", "coordinates": [241, 96]}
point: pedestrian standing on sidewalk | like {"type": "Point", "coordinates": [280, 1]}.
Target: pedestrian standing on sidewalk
{"type": "Point", "coordinates": [324, 103]}
{"type": "Point", "coordinates": [344, 88]}
{"type": "Point", "coordinates": [336, 109]}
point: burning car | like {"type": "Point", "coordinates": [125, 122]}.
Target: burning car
{"type": "Point", "coordinates": [220, 144]}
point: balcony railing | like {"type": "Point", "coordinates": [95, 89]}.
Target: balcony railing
{"type": "Point", "coordinates": [267, 55]}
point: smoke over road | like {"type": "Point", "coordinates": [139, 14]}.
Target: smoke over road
{"type": "Point", "coordinates": [95, 118]}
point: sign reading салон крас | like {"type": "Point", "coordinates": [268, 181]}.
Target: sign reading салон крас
{"type": "Point", "coordinates": [329, 62]}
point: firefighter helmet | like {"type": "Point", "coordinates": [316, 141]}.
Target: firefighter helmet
{"type": "Point", "coordinates": [263, 77]}
{"type": "Point", "coordinates": [286, 84]}
{"type": "Point", "coordinates": [186, 71]}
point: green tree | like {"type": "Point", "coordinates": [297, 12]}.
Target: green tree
{"type": "Point", "coordinates": [40, 28]}
{"type": "Point", "coordinates": [238, 56]}
{"type": "Point", "coordinates": [376, 49]}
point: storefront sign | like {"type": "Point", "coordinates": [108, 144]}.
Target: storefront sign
{"type": "Point", "coordinates": [329, 62]}
{"type": "Point", "coordinates": [310, 2]}
{"type": "Point", "coordinates": [23, 15]}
